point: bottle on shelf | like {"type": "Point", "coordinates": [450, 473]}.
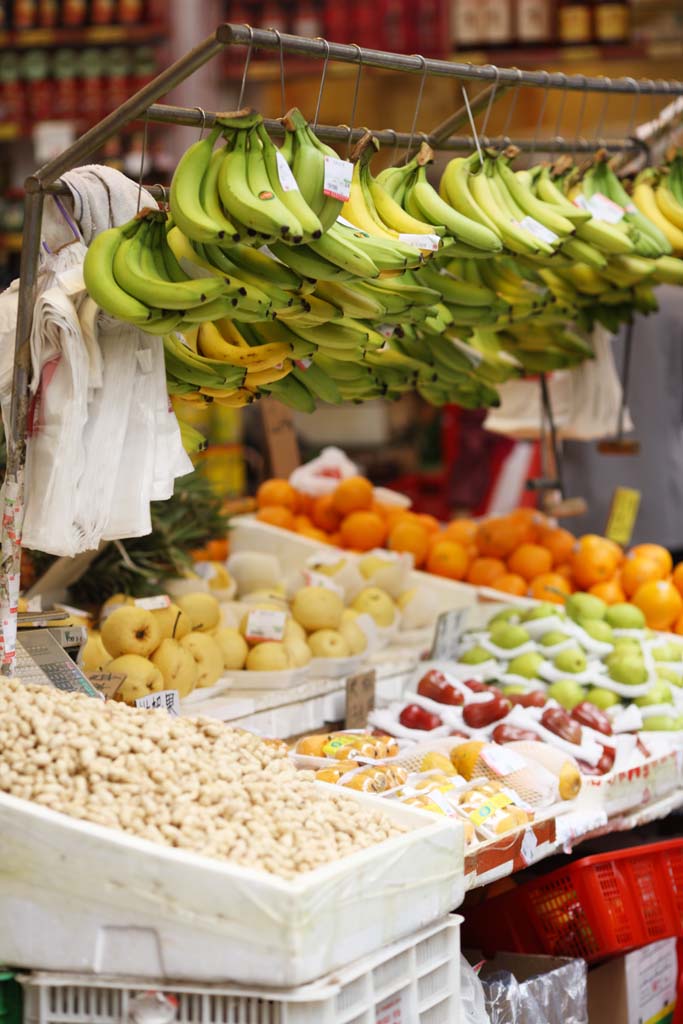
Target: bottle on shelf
{"type": "Point", "coordinates": [74, 13]}
{"type": "Point", "coordinates": [574, 23]}
{"type": "Point", "coordinates": [130, 12]}
{"type": "Point", "coordinates": [103, 12]}
{"type": "Point", "coordinates": [612, 21]}
{"type": "Point", "coordinates": [534, 22]}
{"type": "Point", "coordinates": [48, 13]}
{"type": "Point", "coordinates": [499, 22]}
{"type": "Point", "coordinates": [308, 19]}
{"type": "Point", "coordinates": [468, 24]}
{"type": "Point", "coordinates": [24, 14]}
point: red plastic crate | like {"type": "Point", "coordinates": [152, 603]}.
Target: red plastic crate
{"type": "Point", "coordinates": [592, 908]}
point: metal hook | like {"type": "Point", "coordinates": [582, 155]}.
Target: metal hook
{"type": "Point", "coordinates": [473, 126]}
{"type": "Point", "coordinates": [603, 112]}
{"type": "Point", "coordinates": [395, 150]}
{"type": "Point", "coordinates": [283, 101]}
{"type": "Point", "coordinates": [418, 104]}
{"type": "Point", "coordinates": [560, 112]}
{"type": "Point", "coordinates": [355, 97]}
{"type": "Point", "coordinates": [579, 121]}
{"type": "Point", "coordinates": [164, 194]}
{"type": "Point", "coordinates": [323, 76]}
{"type": "Point", "coordinates": [539, 120]}
{"type": "Point", "coordinates": [634, 107]}
{"type": "Point", "coordinates": [203, 113]}
{"type": "Point", "coordinates": [513, 104]}
{"type": "Point", "coordinates": [143, 154]}
{"type": "Point", "coordinates": [247, 60]}
{"type": "Point", "coordinates": [492, 97]}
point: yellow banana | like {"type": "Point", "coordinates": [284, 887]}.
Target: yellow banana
{"type": "Point", "coordinates": [355, 210]}
{"type": "Point", "coordinates": [259, 378]}
{"type": "Point", "coordinates": [668, 205]}
{"type": "Point", "coordinates": [645, 199]}
{"type": "Point", "coordinates": [213, 345]}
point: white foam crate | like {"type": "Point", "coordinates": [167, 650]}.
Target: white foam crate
{"type": "Point", "coordinates": [415, 981]}
{"type": "Point", "coordinates": [279, 713]}
{"type": "Point", "coordinates": [79, 897]}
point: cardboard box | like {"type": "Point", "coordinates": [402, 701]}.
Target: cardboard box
{"type": "Point", "coordinates": [637, 988]}
{"type": "Point", "coordinates": [546, 988]}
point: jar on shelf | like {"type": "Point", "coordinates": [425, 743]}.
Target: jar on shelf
{"type": "Point", "coordinates": [36, 73]}
{"type": "Point", "coordinates": [90, 71]}
{"type": "Point", "coordinates": [24, 14]}
{"type": "Point", "coordinates": [499, 22]}
{"type": "Point", "coordinates": [534, 24]}
{"type": "Point", "coordinates": [48, 13]}
{"type": "Point", "coordinates": [130, 12]}
{"type": "Point", "coordinates": [12, 92]}
{"type": "Point", "coordinates": [66, 97]}
{"type": "Point", "coordinates": [468, 24]}
{"type": "Point", "coordinates": [117, 62]}
{"type": "Point", "coordinates": [574, 24]}
{"type": "Point", "coordinates": [74, 13]}
{"type": "Point", "coordinates": [612, 21]}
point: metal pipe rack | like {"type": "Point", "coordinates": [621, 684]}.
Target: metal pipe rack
{"type": "Point", "coordinates": [143, 103]}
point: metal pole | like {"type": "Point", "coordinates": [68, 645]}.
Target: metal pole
{"type": "Point", "coordinates": [267, 39]}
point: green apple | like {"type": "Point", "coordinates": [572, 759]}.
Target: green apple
{"type": "Point", "coordinates": [541, 611]}
{"type": "Point", "coordinates": [602, 698]}
{"type": "Point", "coordinates": [664, 652]}
{"type": "Point", "coordinates": [555, 636]}
{"type": "Point", "coordinates": [572, 660]}
{"type": "Point", "coordinates": [626, 643]}
{"type": "Point", "coordinates": [598, 629]}
{"type": "Point", "coordinates": [475, 656]}
{"type": "Point", "coordinates": [585, 606]}
{"type": "Point", "coordinates": [624, 616]}
{"type": "Point", "coordinates": [628, 669]}
{"type": "Point", "coordinates": [669, 675]}
{"type": "Point", "coordinates": [662, 723]}
{"type": "Point", "coordinates": [509, 637]}
{"type": "Point", "coordinates": [567, 692]}
{"type": "Point", "coordinates": [506, 615]}
{"type": "Point", "coordinates": [526, 665]}
{"type": "Point", "coordinates": [677, 652]}
{"type": "Point", "coordinates": [659, 693]}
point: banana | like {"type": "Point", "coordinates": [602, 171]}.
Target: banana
{"type": "Point", "coordinates": [350, 300]}
{"type": "Point", "coordinates": [257, 378]}
{"type": "Point", "coordinates": [193, 369]}
{"type": "Point", "coordinates": [584, 252]}
{"type": "Point", "coordinates": [246, 194]}
{"type": "Point", "coordinates": [308, 166]}
{"type": "Point", "coordinates": [668, 270]}
{"type": "Point", "coordinates": [357, 212]}
{"type": "Point", "coordinates": [98, 274]}
{"type": "Point", "coordinates": [310, 265]}
{"type": "Point", "coordinates": [238, 399]}
{"type": "Point", "coordinates": [395, 217]}
{"type": "Point", "coordinates": [645, 198]}
{"type": "Point", "coordinates": [668, 204]}
{"type": "Point", "coordinates": [315, 311]}
{"type": "Point", "coordinates": [550, 192]}
{"type": "Point", "coordinates": [458, 291]}
{"type": "Point", "coordinates": [460, 225]}
{"type": "Point", "coordinates": [210, 199]}
{"type": "Point", "coordinates": [265, 268]}
{"type": "Point", "coordinates": [514, 237]}
{"type": "Point", "coordinates": [648, 239]}
{"type": "Point", "coordinates": [163, 293]}
{"type": "Point", "coordinates": [186, 204]}
{"type": "Point", "coordinates": [292, 392]}
{"type": "Point", "coordinates": [319, 383]}
{"type": "Point", "coordinates": [528, 202]}
{"type": "Point", "coordinates": [276, 331]}
{"type": "Point", "coordinates": [339, 246]}
{"type": "Point", "coordinates": [289, 193]}
{"type": "Point", "coordinates": [213, 345]}
{"type": "Point", "coordinates": [193, 441]}
{"type": "Point", "coordinates": [246, 282]}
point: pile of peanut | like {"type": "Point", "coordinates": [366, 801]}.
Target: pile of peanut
{"type": "Point", "coordinates": [193, 784]}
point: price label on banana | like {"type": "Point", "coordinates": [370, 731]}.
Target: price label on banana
{"type": "Point", "coordinates": [429, 242]}
{"type": "Point", "coordinates": [284, 173]}
{"type": "Point", "coordinates": [337, 180]}
{"type": "Point", "coordinates": [603, 208]}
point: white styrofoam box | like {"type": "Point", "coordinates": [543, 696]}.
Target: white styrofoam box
{"type": "Point", "coordinates": [622, 791]}
{"type": "Point", "coordinates": [80, 897]}
{"type": "Point", "coordinates": [308, 714]}
{"type": "Point", "coordinates": [415, 981]}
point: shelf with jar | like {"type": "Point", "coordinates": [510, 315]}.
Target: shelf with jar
{"type": "Point", "coordinates": [54, 22]}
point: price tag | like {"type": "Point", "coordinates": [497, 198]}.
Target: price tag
{"type": "Point", "coordinates": [484, 811]}
{"type": "Point", "coordinates": [386, 330]}
{"type": "Point", "coordinates": [50, 138]}
{"type": "Point", "coordinates": [207, 570]}
{"type": "Point", "coordinates": [303, 364]}
{"type": "Point", "coordinates": [622, 515]}
{"type": "Point", "coordinates": [284, 173]}
{"type": "Point", "coordinates": [502, 761]}
{"type": "Point", "coordinates": [529, 844]}
{"type": "Point", "coordinates": [166, 700]}
{"type": "Point", "coordinates": [603, 208]}
{"type": "Point", "coordinates": [107, 683]}
{"type": "Point", "coordinates": [69, 636]}
{"type": "Point", "coordinates": [430, 242]}
{"type": "Point", "coordinates": [338, 175]}
{"type": "Point", "coordinates": [360, 699]}
{"type": "Point", "coordinates": [154, 603]}
{"type": "Point", "coordinates": [447, 634]}
{"type": "Point", "coordinates": [265, 624]}
{"type": "Point", "coordinates": [538, 230]}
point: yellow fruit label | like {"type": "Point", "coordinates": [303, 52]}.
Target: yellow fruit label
{"type": "Point", "coordinates": [484, 812]}
{"type": "Point", "coordinates": [338, 743]}
{"type": "Point", "coordinates": [622, 515]}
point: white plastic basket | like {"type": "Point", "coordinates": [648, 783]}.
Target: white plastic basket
{"type": "Point", "coordinates": [415, 981]}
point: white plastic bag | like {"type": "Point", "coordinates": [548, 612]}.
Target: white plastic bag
{"type": "Point", "coordinates": [321, 475]}
{"type": "Point", "coordinates": [472, 999]}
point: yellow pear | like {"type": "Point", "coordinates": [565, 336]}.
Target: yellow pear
{"type": "Point", "coordinates": [369, 565]}
{"type": "Point", "coordinates": [234, 648]}
{"type": "Point", "coordinates": [130, 630]}
{"type": "Point", "coordinates": [354, 636]}
{"type": "Point", "coordinates": [254, 571]}
{"type": "Point", "coordinates": [142, 677]}
{"type": "Point", "coordinates": [207, 655]}
{"type": "Point", "coordinates": [419, 608]}
{"type": "Point", "coordinates": [268, 657]}
{"type": "Point", "coordinates": [317, 608]}
{"type": "Point", "coordinates": [173, 623]}
{"type": "Point", "coordinates": [376, 603]}
{"type": "Point", "coordinates": [298, 651]}
{"type": "Point", "coordinates": [114, 602]}
{"type": "Point", "coordinates": [294, 631]}
{"type": "Point", "coordinates": [328, 643]}
{"type": "Point", "coordinates": [349, 615]}
{"type": "Point", "coordinates": [203, 610]}
{"type": "Point", "coordinates": [176, 665]}
{"type": "Point", "coordinates": [247, 625]}
{"type": "Point", "coordinates": [94, 655]}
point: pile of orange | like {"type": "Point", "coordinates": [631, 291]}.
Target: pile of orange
{"type": "Point", "coordinates": [523, 553]}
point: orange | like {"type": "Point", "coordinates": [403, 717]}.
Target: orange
{"type": "Point", "coordinates": [594, 540]}
{"type": "Point", "coordinates": [511, 583]}
{"type": "Point", "coordinates": [611, 591]}
{"type": "Point", "coordinates": [392, 514]}
{"type": "Point", "coordinates": [354, 494]}
{"type": "Point", "coordinates": [323, 515]}
{"type": "Point", "coordinates": [530, 560]}
{"type": "Point", "coordinates": [660, 603]}
{"type": "Point", "coordinates": [313, 533]}
{"type": "Point", "coordinates": [276, 515]}
{"type": "Point", "coordinates": [559, 542]}
{"type": "Point", "coordinates": [199, 555]}
{"type": "Point", "coordinates": [498, 537]}
{"type": "Point", "coordinates": [593, 560]}
{"type": "Point", "coordinates": [363, 531]}
{"type": "Point", "coordinates": [677, 577]}
{"type": "Point", "coordinates": [565, 570]}
{"type": "Point", "coordinates": [217, 549]}
{"type": "Point", "coordinates": [412, 537]}
{"type": "Point", "coordinates": [335, 538]}
{"type": "Point", "coordinates": [302, 523]}
{"type": "Point", "coordinates": [638, 569]}
{"type": "Point", "coordinates": [462, 530]}
{"type": "Point", "coordinates": [678, 626]}
{"type": "Point", "coordinates": [546, 586]}
{"type": "Point", "coordinates": [448, 558]}
{"type": "Point", "coordinates": [304, 503]}
{"type": "Point", "coordinates": [483, 571]}
{"type": "Point", "coordinates": [277, 492]}
{"type": "Point", "coordinates": [657, 553]}
{"type": "Point", "coordinates": [531, 520]}
{"type": "Point", "coordinates": [430, 523]}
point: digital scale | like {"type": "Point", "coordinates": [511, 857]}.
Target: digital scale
{"type": "Point", "coordinates": [43, 653]}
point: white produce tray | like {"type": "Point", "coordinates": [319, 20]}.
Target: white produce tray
{"type": "Point", "coordinates": [79, 897]}
{"type": "Point", "coordinates": [419, 978]}
{"type": "Point", "coordinates": [626, 790]}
